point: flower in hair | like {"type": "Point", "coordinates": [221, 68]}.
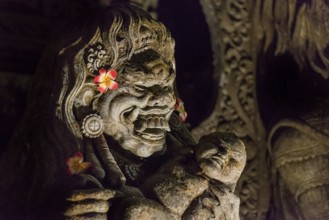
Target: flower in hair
{"type": "Point", "coordinates": [179, 107]}
{"type": "Point", "coordinates": [75, 164]}
{"type": "Point", "coordinates": [105, 80]}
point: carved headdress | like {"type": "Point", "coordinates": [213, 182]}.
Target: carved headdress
{"type": "Point", "coordinates": [114, 35]}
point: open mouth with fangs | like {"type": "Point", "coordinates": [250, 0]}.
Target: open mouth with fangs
{"type": "Point", "coordinates": [150, 124]}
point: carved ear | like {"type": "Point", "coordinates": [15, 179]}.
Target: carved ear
{"type": "Point", "coordinates": [83, 102]}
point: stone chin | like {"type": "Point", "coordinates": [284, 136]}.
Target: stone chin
{"type": "Point", "coordinates": [146, 129]}
{"type": "Point", "coordinates": [142, 149]}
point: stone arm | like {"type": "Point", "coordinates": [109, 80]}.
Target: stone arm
{"type": "Point", "coordinates": [190, 196]}
{"type": "Point", "coordinates": [198, 189]}
{"type": "Point", "coordinates": [97, 195]}
{"type": "Point", "coordinates": [99, 203]}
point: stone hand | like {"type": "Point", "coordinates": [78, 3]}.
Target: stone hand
{"type": "Point", "coordinates": [88, 199]}
{"type": "Point", "coordinates": [221, 156]}
{"type": "Point", "coordinates": [205, 208]}
{"type": "Point", "coordinates": [216, 203]}
{"type": "Point", "coordinates": [88, 204]}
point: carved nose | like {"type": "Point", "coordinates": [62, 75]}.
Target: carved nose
{"type": "Point", "coordinates": [158, 96]}
{"type": "Point", "coordinates": [158, 100]}
{"type": "Point", "coordinates": [166, 99]}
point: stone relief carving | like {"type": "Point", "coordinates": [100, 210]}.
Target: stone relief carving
{"type": "Point", "coordinates": [260, 33]}
{"type": "Point", "coordinates": [101, 139]}
{"type": "Point", "coordinates": [300, 160]}
{"type": "Point", "coordinates": [236, 109]}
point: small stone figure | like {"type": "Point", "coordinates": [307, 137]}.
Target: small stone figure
{"type": "Point", "coordinates": [101, 124]}
{"type": "Point", "coordinates": [220, 159]}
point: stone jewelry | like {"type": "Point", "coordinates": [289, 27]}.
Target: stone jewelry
{"type": "Point", "coordinates": [92, 126]}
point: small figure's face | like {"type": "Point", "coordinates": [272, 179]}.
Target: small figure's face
{"type": "Point", "coordinates": [220, 158]}
{"type": "Point", "coordinates": [137, 113]}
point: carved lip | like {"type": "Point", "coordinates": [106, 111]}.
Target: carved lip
{"type": "Point", "coordinates": [149, 124]}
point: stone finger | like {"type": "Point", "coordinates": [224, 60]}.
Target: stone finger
{"type": "Point", "coordinates": [97, 169]}
{"type": "Point", "coordinates": [209, 202]}
{"type": "Point", "coordinates": [87, 206]}
{"type": "Point", "coordinates": [116, 178]}
{"type": "Point", "coordinates": [217, 191]}
{"type": "Point", "coordinates": [97, 194]}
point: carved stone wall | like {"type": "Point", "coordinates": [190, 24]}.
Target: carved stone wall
{"type": "Point", "coordinates": [271, 61]}
{"type": "Point", "coordinates": [236, 109]}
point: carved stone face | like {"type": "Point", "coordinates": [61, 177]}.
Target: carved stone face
{"type": "Point", "coordinates": [137, 113]}
{"type": "Point", "coordinates": [222, 157]}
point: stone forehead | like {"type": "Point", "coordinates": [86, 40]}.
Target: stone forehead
{"type": "Point", "coordinates": [230, 141]}
{"type": "Point", "coordinates": [148, 66]}
{"type": "Point", "coordinates": [146, 77]}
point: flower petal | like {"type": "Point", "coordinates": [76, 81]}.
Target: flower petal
{"type": "Point", "coordinates": [73, 169]}
{"type": "Point", "coordinates": [179, 107]}
{"type": "Point", "coordinates": [78, 155]}
{"type": "Point", "coordinates": [100, 78]}
{"type": "Point", "coordinates": [182, 116]}
{"type": "Point", "coordinates": [82, 167]}
{"type": "Point", "coordinates": [102, 87]}
{"type": "Point", "coordinates": [113, 85]}
{"type": "Point", "coordinates": [102, 71]}
{"type": "Point", "coordinates": [112, 73]}
{"type": "Point", "coordinates": [75, 164]}
{"type": "Point", "coordinates": [70, 162]}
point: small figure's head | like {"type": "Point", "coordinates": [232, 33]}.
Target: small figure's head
{"type": "Point", "coordinates": [222, 157]}
{"type": "Point", "coordinates": [136, 100]}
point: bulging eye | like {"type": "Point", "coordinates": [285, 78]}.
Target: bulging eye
{"type": "Point", "coordinates": [222, 149]}
{"type": "Point", "coordinates": [232, 162]}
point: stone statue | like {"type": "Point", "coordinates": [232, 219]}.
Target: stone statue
{"type": "Point", "coordinates": [300, 150]}
{"type": "Point", "coordinates": [100, 138]}
{"type": "Point", "coordinates": [298, 128]}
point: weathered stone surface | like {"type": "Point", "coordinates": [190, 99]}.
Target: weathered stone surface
{"type": "Point", "coordinates": [101, 127]}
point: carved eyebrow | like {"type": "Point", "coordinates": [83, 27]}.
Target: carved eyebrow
{"type": "Point", "coordinates": [151, 81]}
{"type": "Point", "coordinates": [135, 68]}
{"type": "Point", "coordinates": [140, 87]}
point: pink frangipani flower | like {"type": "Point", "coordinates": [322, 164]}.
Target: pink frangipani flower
{"type": "Point", "coordinates": [75, 164]}
{"type": "Point", "coordinates": [105, 80]}
{"type": "Point", "coordinates": [179, 107]}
